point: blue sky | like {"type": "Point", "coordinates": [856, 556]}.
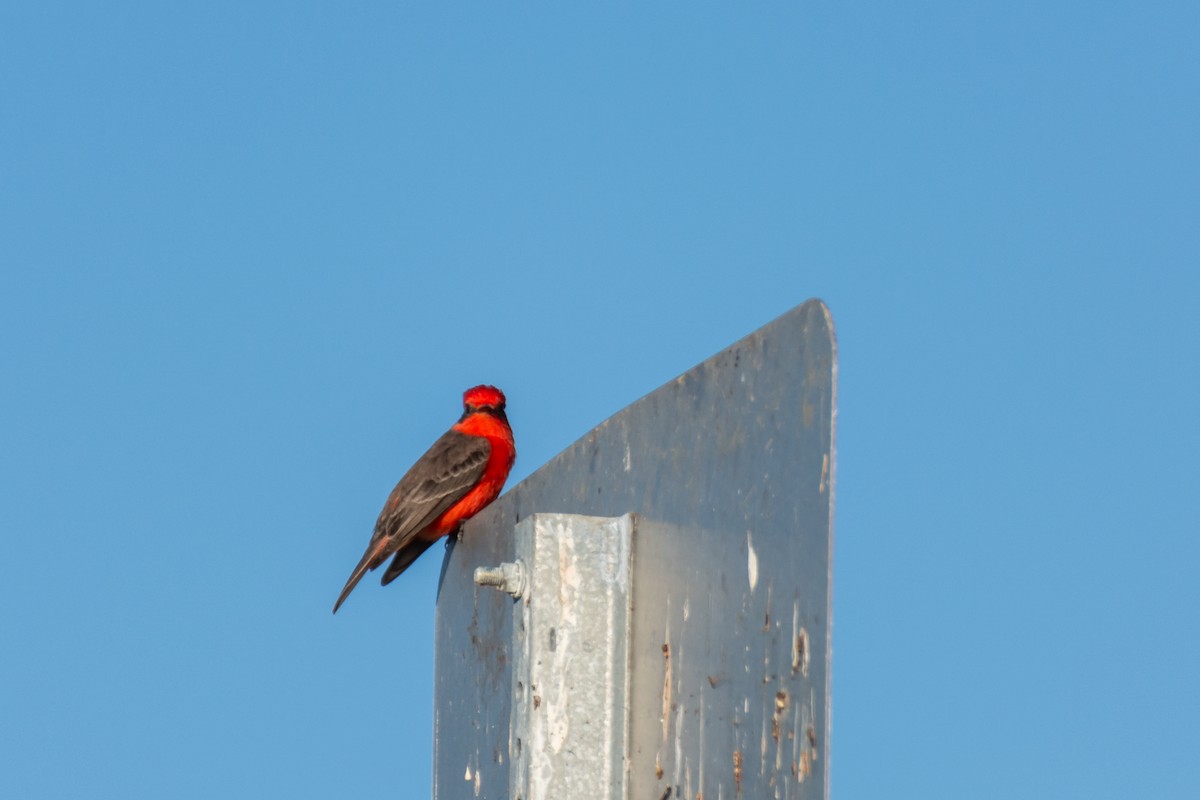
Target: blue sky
{"type": "Point", "coordinates": [251, 254]}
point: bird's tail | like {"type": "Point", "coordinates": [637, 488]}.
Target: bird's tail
{"type": "Point", "coordinates": [369, 561]}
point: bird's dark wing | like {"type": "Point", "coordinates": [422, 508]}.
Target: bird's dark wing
{"type": "Point", "coordinates": [442, 477]}
{"type": "Point", "coordinates": [439, 479]}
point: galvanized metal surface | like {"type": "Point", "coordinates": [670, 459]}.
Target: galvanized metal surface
{"type": "Point", "coordinates": [730, 471]}
{"type": "Point", "coordinates": [570, 658]}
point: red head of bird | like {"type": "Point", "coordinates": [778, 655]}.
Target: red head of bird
{"type": "Point", "coordinates": [478, 398]}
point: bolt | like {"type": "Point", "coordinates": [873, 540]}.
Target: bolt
{"type": "Point", "coordinates": [508, 577]}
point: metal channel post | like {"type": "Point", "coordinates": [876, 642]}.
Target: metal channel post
{"type": "Point", "coordinates": [570, 655]}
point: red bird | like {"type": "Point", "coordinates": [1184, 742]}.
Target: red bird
{"type": "Point", "coordinates": [463, 472]}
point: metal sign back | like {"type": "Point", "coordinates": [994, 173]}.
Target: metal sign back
{"type": "Point", "coordinates": [729, 470]}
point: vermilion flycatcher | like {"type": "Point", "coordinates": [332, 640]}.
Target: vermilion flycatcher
{"type": "Point", "coordinates": [463, 472]}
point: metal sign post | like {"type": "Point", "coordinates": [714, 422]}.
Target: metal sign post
{"type": "Point", "coordinates": [674, 642]}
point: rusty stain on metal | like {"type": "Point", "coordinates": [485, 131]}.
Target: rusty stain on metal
{"type": "Point", "coordinates": [781, 700]}
{"type": "Point", "coordinates": [737, 771]}
{"type": "Point", "coordinates": [666, 699]}
{"type": "Point", "coordinates": [800, 656]}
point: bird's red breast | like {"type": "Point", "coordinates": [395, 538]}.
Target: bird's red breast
{"type": "Point", "coordinates": [493, 427]}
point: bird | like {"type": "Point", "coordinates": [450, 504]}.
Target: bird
{"type": "Point", "coordinates": [457, 477]}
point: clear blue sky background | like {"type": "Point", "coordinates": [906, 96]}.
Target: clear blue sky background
{"type": "Point", "coordinates": [250, 255]}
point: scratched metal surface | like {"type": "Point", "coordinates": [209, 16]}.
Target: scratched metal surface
{"type": "Point", "coordinates": [730, 470]}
